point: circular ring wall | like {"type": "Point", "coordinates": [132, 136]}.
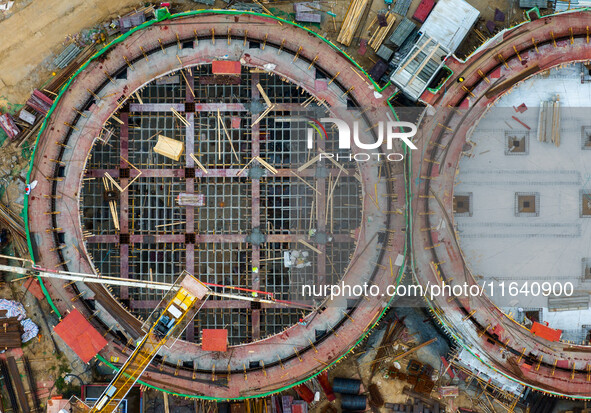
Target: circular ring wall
{"type": "Point", "coordinates": [102, 97]}
{"type": "Point", "coordinates": [477, 324]}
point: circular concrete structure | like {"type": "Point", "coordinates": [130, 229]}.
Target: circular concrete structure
{"type": "Point", "coordinates": [556, 367]}
{"type": "Point", "coordinates": [69, 231]}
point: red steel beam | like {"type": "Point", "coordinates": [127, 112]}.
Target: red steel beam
{"type": "Point", "coordinates": [256, 209]}
{"type": "Point", "coordinates": [124, 203]}
{"type": "Point", "coordinates": [212, 173]}
{"type": "Point", "coordinates": [190, 189]}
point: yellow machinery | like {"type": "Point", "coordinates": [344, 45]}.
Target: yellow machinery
{"type": "Point", "coordinates": [163, 328]}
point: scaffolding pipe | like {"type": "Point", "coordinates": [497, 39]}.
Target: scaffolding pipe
{"type": "Point", "coordinates": [88, 278]}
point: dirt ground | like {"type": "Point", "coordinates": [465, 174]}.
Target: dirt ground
{"type": "Point", "coordinates": [49, 367]}
{"type": "Point", "coordinates": [33, 34]}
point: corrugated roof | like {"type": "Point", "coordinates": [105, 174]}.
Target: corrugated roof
{"type": "Point", "coordinates": [384, 52]}
{"type": "Point", "coordinates": [449, 23]}
{"type": "Point", "coordinates": [528, 4]}
{"type": "Point", "coordinates": [402, 31]}
{"type": "Point", "coordinates": [401, 7]}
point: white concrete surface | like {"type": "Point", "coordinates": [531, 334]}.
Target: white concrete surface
{"type": "Point", "coordinates": [497, 244]}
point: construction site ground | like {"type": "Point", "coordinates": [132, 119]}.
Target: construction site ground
{"type": "Point", "coordinates": [51, 361]}
{"type": "Point", "coordinates": [34, 33]}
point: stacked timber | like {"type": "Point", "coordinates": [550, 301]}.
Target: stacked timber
{"type": "Point", "coordinates": [10, 333]}
{"type": "Point", "coordinates": [380, 33]}
{"type": "Point", "coordinates": [549, 121]}
{"type": "Point", "coordinates": [351, 22]}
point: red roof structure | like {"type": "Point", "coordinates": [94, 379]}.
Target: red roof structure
{"type": "Point", "coordinates": [423, 10]}
{"type": "Point", "coordinates": [225, 67]}
{"type": "Point", "coordinates": [546, 332]}
{"type": "Point", "coordinates": [214, 340]}
{"type": "Point", "coordinates": [80, 336]}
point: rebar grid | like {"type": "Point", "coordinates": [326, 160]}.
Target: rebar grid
{"type": "Point", "coordinates": [283, 206]}
{"type": "Point", "coordinates": [162, 262]}
{"type": "Point", "coordinates": [96, 214]}
{"type": "Point", "coordinates": [286, 205]}
{"type": "Point", "coordinates": [152, 204]}
{"type": "Point", "coordinates": [227, 206]}
{"type": "Point", "coordinates": [168, 89]}
{"type": "Point", "coordinates": [221, 91]}
{"type": "Point", "coordinates": [224, 264]}
{"type": "Point", "coordinates": [102, 154]}
{"type": "Point", "coordinates": [282, 91]}
{"type": "Point", "coordinates": [236, 320]}
{"type": "Point", "coordinates": [235, 150]}
{"type": "Point", "coordinates": [144, 129]}
{"type": "Point", "coordinates": [284, 144]}
{"type": "Point", "coordinates": [275, 320]}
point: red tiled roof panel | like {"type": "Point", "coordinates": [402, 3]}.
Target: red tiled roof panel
{"type": "Point", "coordinates": [225, 67]}
{"type": "Point", "coordinates": [214, 340]}
{"type": "Point", "coordinates": [80, 335]}
{"type": "Point", "coordinates": [546, 332]}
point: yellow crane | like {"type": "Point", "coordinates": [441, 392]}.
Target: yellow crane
{"type": "Point", "coordinates": [181, 305]}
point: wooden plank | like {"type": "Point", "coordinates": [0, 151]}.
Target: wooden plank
{"type": "Point", "coordinates": [264, 95]}
{"type": "Point", "coordinates": [419, 50]}
{"type": "Point", "coordinates": [313, 248]}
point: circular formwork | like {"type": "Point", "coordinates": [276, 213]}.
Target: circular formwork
{"type": "Point", "coordinates": [101, 90]}
{"type": "Point", "coordinates": [555, 367]}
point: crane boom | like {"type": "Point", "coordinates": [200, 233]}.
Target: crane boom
{"type": "Point", "coordinates": [181, 305]}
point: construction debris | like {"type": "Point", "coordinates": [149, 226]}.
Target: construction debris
{"type": "Point", "coordinates": [307, 12]}
{"type": "Point", "coordinates": [40, 102]}
{"type": "Point", "coordinates": [16, 227]}
{"type": "Point", "coordinates": [14, 310]}
{"type": "Point", "coordinates": [8, 125]}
